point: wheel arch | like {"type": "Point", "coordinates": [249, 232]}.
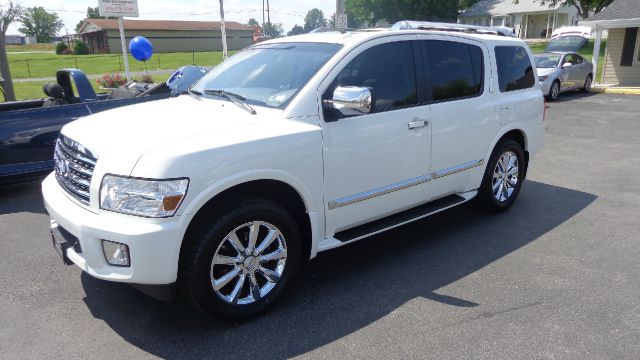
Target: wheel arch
{"type": "Point", "coordinates": [270, 188]}
{"type": "Point", "coordinates": [515, 134]}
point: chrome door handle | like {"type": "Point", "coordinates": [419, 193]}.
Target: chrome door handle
{"type": "Point", "coordinates": [417, 124]}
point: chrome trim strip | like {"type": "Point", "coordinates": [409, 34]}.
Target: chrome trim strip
{"type": "Point", "coordinates": [456, 169]}
{"type": "Point", "coordinates": [366, 195]}
{"type": "Point", "coordinates": [348, 200]}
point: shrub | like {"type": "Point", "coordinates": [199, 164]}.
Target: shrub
{"type": "Point", "coordinates": [61, 47]}
{"type": "Point", "coordinates": [146, 79]}
{"type": "Point", "coordinates": [111, 81]}
{"type": "Point", "coordinates": [66, 51]}
{"type": "Point", "coordinates": [81, 48]}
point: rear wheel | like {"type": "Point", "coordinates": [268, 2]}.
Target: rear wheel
{"type": "Point", "coordinates": [240, 262]}
{"type": "Point", "coordinates": [554, 92]}
{"type": "Point", "coordinates": [503, 177]}
{"type": "Point", "coordinates": [587, 84]}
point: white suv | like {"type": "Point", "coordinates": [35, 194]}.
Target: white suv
{"type": "Point", "coordinates": [292, 147]}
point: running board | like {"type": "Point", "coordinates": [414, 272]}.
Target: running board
{"type": "Point", "coordinates": [398, 219]}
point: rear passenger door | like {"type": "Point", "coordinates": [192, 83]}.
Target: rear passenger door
{"type": "Point", "coordinates": [462, 112]}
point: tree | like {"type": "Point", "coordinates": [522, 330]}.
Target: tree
{"type": "Point", "coordinates": [296, 30]}
{"type": "Point", "coordinates": [36, 21]}
{"type": "Point", "coordinates": [369, 12]}
{"type": "Point", "coordinates": [253, 22]}
{"type": "Point", "coordinates": [314, 19]}
{"type": "Point", "coordinates": [8, 14]}
{"type": "Point", "coordinates": [92, 13]}
{"type": "Point", "coordinates": [585, 8]}
{"type": "Point", "coordinates": [273, 30]}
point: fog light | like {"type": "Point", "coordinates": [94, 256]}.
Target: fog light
{"type": "Point", "coordinates": [116, 254]}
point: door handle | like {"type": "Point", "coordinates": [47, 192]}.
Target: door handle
{"type": "Point", "coordinates": [417, 124]}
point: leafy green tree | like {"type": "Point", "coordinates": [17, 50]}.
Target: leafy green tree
{"type": "Point", "coordinates": [253, 22]}
{"type": "Point", "coordinates": [8, 14]}
{"type": "Point", "coordinates": [369, 12]}
{"type": "Point", "coordinates": [92, 13]}
{"type": "Point", "coordinates": [296, 30]}
{"type": "Point", "coordinates": [273, 30]}
{"type": "Point", "coordinates": [585, 8]}
{"type": "Point", "coordinates": [314, 19]}
{"type": "Point", "coordinates": [36, 21]}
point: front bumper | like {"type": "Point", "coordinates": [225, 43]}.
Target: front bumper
{"type": "Point", "coordinates": [154, 244]}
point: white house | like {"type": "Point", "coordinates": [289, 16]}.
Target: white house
{"type": "Point", "coordinates": [622, 56]}
{"type": "Point", "coordinates": [528, 18]}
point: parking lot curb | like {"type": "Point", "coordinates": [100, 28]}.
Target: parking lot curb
{"type": "Point", "coordinates": [623, 91]}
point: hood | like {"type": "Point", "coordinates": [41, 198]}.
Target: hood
{"type": "Point", "coordinates": [545, 71]}
{"type": "Point", "coordinates": [120, 136]}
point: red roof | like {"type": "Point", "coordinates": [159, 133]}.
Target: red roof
{"type": "Point", "coordinates": [112, 24]}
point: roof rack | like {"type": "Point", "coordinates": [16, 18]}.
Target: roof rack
{"type": "Point", "coordinates": [438, 26]}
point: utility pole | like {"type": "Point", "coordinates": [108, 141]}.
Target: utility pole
{"type": "Point", "coordinates": [268, 13]}
{"type": "Point", "coordinates": [223, 31]}
{"type": "Point", "coordinates": [264, 24]}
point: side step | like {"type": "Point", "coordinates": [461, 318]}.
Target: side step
{"type": "Point", "coordinates": [398, 219]}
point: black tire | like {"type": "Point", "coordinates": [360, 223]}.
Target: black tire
{"type": "Point", "coordinates": [587, 84]}
{"type": "Point", "coordinates": [196, 263]}
{"type": "Point", "coordinates": [553, 94]}
{"type": "Point", "coordinates": [486, 197]}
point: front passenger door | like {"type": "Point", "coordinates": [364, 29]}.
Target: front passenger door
{"type": "Point", "coordinates": [376, 164]}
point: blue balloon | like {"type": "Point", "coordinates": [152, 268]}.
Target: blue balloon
{"type": "Point", "coordinates": [141, 48]}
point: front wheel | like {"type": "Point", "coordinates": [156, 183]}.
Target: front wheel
{"type": "Point", "coordinates": [238, 264]}
{"type": "Point", "coordinates": [554, 92]}
{"type": "Point", "coordinates": [503, 177]}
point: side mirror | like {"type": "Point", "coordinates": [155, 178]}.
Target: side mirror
{"type": "Point", "coordinates": [566, 65]}
{"type": "Point", "coordinates": [352, 100]}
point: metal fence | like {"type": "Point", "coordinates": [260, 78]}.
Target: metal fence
{"type": "Point", "coordinates": [101, 64]}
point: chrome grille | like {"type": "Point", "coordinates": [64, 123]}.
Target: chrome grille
{"type": "Point", "coordinates": [74, 168]}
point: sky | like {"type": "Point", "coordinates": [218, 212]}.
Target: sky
{"type": "Point", "coordinates": [287, 12]}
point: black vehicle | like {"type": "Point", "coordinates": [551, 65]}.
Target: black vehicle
{"type": "Point", "coordinates": [29, 129]}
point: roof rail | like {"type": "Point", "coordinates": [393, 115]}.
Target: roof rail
{"type": "Point", "coordinates": [438, 26]}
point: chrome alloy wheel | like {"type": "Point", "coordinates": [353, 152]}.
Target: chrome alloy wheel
{"type": "Point", "coordinates": [505, 176]}
{"type": "Point", "coordinates": [248, 263]}
{"type": "Point", "coordinates": [555, 90]}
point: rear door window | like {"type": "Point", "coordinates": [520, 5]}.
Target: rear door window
{"type": "Point", "coordinates": [515, 71]}
{"type": "Point", "coordinates": [455, 71]}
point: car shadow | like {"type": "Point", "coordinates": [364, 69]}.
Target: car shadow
{"type": "Point", "coordinates": [572, 95]}
{"type": "Point", "coordinates": [346, 289]}
{"type": "Point", "coordinates": [23, 197]}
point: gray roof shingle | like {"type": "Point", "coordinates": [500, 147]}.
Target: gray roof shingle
{"type": "Point", "coordinates": [618, 10]}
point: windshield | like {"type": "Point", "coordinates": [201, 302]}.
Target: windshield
{"type": "Point", "coordinates": [566, 43]}
{"type": "Point", "coordinates": [548, 61]}
{"type": "Point", "coordinates": [268, 74]}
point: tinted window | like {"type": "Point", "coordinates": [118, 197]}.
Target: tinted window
{"type": "Point", "coordinates": [514, 68]}
{"type": "Point", "coordinates": [387, 70]}
{"type": "Point", "coordinates": [456, 69]}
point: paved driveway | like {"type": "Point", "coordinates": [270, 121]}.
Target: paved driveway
{"type": "Point", "coordinates": [554, 278]}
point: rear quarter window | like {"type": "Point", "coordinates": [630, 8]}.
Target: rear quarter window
{"type": "Point", "coordinates": [515, 71]}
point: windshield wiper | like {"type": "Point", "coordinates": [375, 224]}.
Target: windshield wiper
{"type": "Point", "coordinates": [194, 94]}
{"type": "Point", "coordinates": [234, 98]}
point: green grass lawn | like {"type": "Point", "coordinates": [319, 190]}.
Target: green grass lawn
{"type": "Point", "coordinates": [33, 90]}
{"type": "Point", "coordinates": [586, 52]}
{"type": "Point", "coordinates": [45, 65]}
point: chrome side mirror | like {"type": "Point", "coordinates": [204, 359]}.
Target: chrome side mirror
{"type": "Point", "coordinates": [566, 65]}
{"type": "Point", "coordinates": [352, 100]}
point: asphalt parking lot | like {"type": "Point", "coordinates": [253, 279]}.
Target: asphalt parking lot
{"type": "Point", "coordinates": [554, 278]}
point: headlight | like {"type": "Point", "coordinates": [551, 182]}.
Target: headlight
{"type": "Point", "coordinates": [142, 197]}
{"type": "Point", "coordinates": [543, 78]}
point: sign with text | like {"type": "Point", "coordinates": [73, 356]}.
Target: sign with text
{"type": "Point", "coordinates": [342, 22]}
{"type": "Point", "coordinates": [119, 8]}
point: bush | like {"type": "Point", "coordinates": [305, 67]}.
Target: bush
{"type": "Point", "coordinates": [111, 81]}
{"type": "Point", "coordinates": [81, 48]}
{"type": "Point", "coordinates": [66, 51]}
{"type": "Point", "coordinates": [147, 79]}
{"type": "Point", "coordinates": [61, 47]}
